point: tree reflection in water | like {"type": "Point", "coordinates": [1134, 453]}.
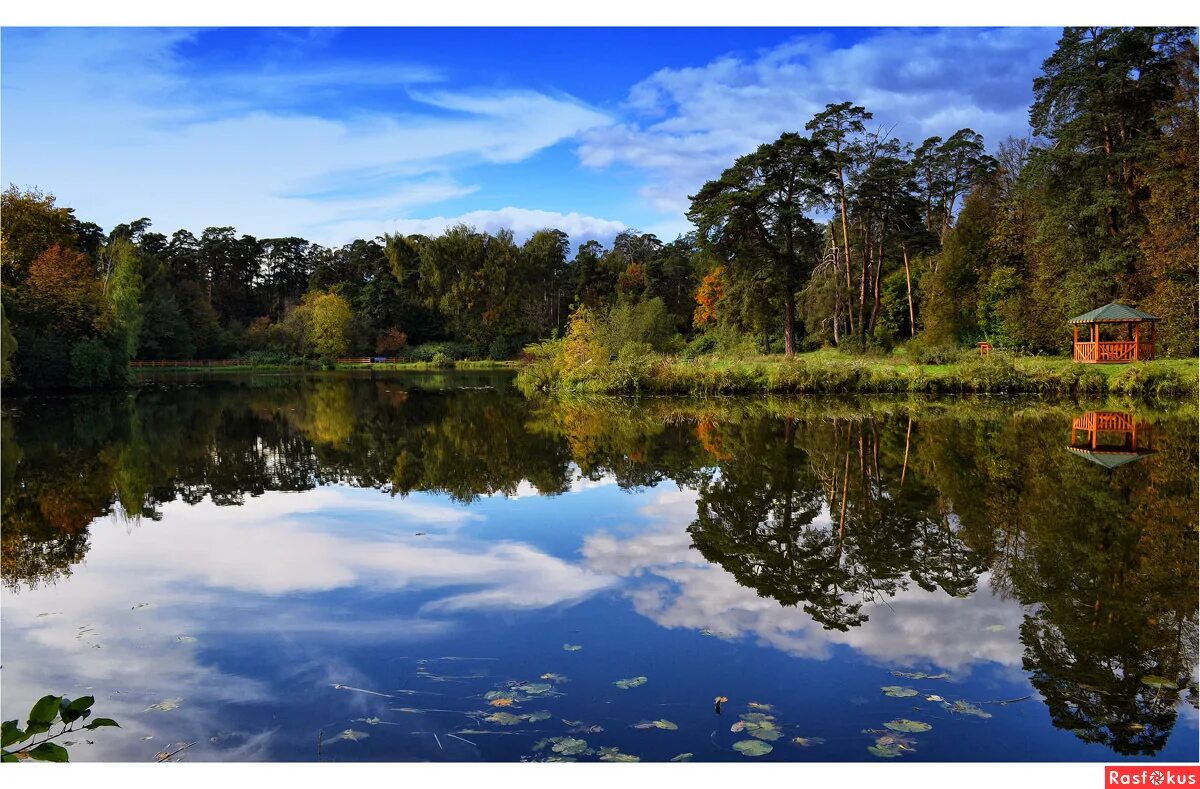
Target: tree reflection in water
{"type": "Point", "coordinates": [827, 505]}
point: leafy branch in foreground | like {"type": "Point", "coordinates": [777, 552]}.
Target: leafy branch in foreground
{"type": "Point", "coordinates": [48, 711]}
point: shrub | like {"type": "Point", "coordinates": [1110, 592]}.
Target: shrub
{"type": "Point", "coordinates": [91, 364]}
{"type": "Point", "coordinates": [441, 359]}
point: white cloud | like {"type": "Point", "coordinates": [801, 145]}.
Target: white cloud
{"type": "Point", "coordinates": [679, 588]}
{"type": "Point", "coordinates": [695, 121]}
{"type": "Point", "coordinates": [522, 221]}
{"type": "Point", "coordinates": [111, 122]}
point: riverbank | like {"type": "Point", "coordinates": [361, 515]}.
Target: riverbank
{"type": "Point", "coordinates": [461, 364]}
{"type": "Point", "coordinates": [829, 372]}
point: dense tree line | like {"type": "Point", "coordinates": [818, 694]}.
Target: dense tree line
{"type": "Point", "coordinates": [841, 235]}
{"type": "Point", "coordinates": [858, 239]}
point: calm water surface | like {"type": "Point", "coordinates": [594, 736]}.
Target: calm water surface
{"type": "Point", "coordinates": [432, 567]}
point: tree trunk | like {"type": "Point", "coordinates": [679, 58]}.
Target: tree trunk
{"type": "Point", "coordinates": [789, 323]}
{"type": "Point", "coordinates": [912, 316]}
{"type": "Point", "coordinates": [846, 244]}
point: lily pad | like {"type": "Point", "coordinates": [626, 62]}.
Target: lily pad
{"type": "Point", "coordinates": [492, 695]}
{"type": "Point", "coordinates": [906, 725]}
{"type": "Point", "coordinates": [572, 647]}
{"type": "Point", "coordinates": [533, 688]}
{"type": "Point", "coordinates": [808, 742]}
{"type": "Point", "coordinates": [632, 682]}
{"type": "Point", "coordinates": [967, 708]}
{"type": "Point", "coordinates": [501, 702]}
{"type": "Point", "coordinates": [579, 727]}
{"type": "Point", "coordinates": [683, 757]}
{"type": "Point", "coordinates": [570, 746]}
{"type": "Point", "coordinates": [754, 705]}
{"type": "Point", "coordinates": [897, 691]}
{"type": "Point", "coordinates": [1155, 681]}
{"type": "Point", "coordinates": [557, 679]}
{"type": "Point", "coordinates": [658, 724]}
{"type": "Point", "coordinates": [752, 747]}
{"type": "Point", "coordinates": [186, 639]}
{"type": "Point", "coordinates": [919, 675]}
{"type": "Point", "coordinates": [934, 697]}
{"type": "Point", "coordinates": [504, 719]}
{"type": "Point", "coordinates": [889, 746]}
{"type": "Point", "coordinates": [351, 734]}
{"type": "Point", "coordinates": [614, 754]}
{"type": "Point", "coordinates": [534, 717]}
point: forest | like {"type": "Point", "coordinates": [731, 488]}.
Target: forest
{"type": "Point", "coordinates": [836, 235]}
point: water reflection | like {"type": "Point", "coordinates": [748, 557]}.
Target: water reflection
{"type": "Point", "coordinates": [1111, 438]}
{"type": "Point", "coordinates": [926, 534]}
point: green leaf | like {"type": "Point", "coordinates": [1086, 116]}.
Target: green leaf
{"type": "Point", "coordinates": [683, 757]}
{"type": "Point", "coordinates": [752, 747]}
{"type": "Point", "coordinates": [48, 752]}
{"type": "Point", "coordinates": [96, 724]}
{"type": "Point", "coordinates": [82, 703]}
{"type": "Point", "coordinates": [897, 691]}
{"type": "Point", "coordinates": [45, 711]}
{"type": "Point", "coordinates": [6, 757]}
{"type": "Point", "coordinates": [12, 734]}
{"type": "Point", "coordinates": [632, 682]}
{"type": "Point", "coordinates": [1156, 681]}
{"type": "Point", "coordinates": [906, 725]}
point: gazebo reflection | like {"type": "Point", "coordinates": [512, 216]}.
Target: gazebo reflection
{"type": "Point", "coordinates": [1111, 438]}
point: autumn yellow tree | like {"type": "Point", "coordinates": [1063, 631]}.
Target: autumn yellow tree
{"type": "Point", "coordinates": [327, 322]}
{"type": "Point", "coordinates": [708, 297]}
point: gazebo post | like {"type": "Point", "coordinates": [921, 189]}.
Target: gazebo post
{"type": "Point", "coordinates": [1075, 345]}
{"type": "Point", "coordinates": [1096, 342]}
{"type": "Point", "coordinates": [1137, 342]}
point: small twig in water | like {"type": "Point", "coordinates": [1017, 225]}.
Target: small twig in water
{"type": "Point", "coordinates": [439, 742]}
{"type": "Point", "coordinates": [464, 739]}
{"type": "Point", "coordinates": [163, 757]}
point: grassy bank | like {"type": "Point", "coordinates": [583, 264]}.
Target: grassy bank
{"type": "Point", "coordinates": [829, 372]}
{"type": "Point", "coordinates": [461, 364]}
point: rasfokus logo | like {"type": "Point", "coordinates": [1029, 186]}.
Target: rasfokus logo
{"type": "Point", "coordinates": [1162, 775]}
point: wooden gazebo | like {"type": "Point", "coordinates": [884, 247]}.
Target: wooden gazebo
{"type": "Point", "coordinates": [1110, 438]}
{"type": "Point", "coordinates": [1102, 341]}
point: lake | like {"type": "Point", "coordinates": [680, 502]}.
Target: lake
{"type": "Point", "coordinates": [429, 566]}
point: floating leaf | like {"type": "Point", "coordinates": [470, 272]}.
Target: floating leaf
{"type": "Point", "coordinates": [884, 751]}
{"type": "Point", "coordinates": [934, 697]}
{"type": "Point", "coordinates": [754, 705]}
{"type": "Point", "coordinates": [186, 639]}
{"type": "Point", "coordinates": [752, 747]}
{"type": "Point", "coordinates": [683, 757]}
{"type": "Point", "coordinates": [579, 727]}
{"type": "Point", "coordinates": [889, 746]}
{"type": "Point", "coordinates": [503, 719]}
{"type": "Point", "coordinates": [502, 702]}
{"type": "Point", "coordinates": [721, 699]}
{"type": "Point", "coordinates": [613, 754]}
{"type": "Point", "coordinates": [995, 628]}
{"type": "Point", "coordinates": [967, 708]}
{"type": "Point", "coordinates": [352, 735]}
{"type": "Point", "coordinates": [572, 647]}
{"type": "Point", "coordinates": [557, 679]}
{"type": "Point", "coordinates": [808, 742]}
{"type": "Point", "coordinates": [533, 688]}
{"type": "Point", "coordinates": [534, 717]}
{"type": "Point", "coordinates": [569, 746]}
{"type": "Point", "coordinates": [166, 705]}
{"type": "Point", "coordinates": [139, 605]}
{"type": "Point", "coordinates": [919, 675]}
{"type": "Point", "coordinates": [492, 695]}
{"type": "Point", "coordinates": [632, 682]}
{"type": "Point", "coordinates": [906, 725]}
{"type": "Point", "coordinates": [896, 691]}
{"type": "Point", "coordinates": [1156, 681]}
{"type": "Point", "coordinates": [658, 724]}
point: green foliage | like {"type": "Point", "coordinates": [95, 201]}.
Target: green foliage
{"type": "Point", "coordinates": [8, 347]}
{"type": "Point", "coordinates": [91, 364]}
{"type": "Point", "coordinates": [327, 320]}
{"type": "Point", "coordinates": [46, 712]}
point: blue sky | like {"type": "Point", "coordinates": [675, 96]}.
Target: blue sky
{"type": "Point", "coordinates": [335, 134]}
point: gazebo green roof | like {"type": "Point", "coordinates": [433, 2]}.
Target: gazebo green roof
{"type": "Point", "coordinates": [1113, 313]}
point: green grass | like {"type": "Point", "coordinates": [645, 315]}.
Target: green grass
{"type": "Point", "coordinates": [830, 372]}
